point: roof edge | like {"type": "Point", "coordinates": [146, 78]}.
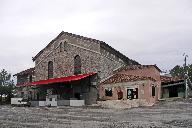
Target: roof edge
{"type": "Point", "coordinates": [102, 43]}
{"type": "Point", "coordinates": [27, 71]}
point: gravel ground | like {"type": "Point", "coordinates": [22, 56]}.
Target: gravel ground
{"type": "Point", "coordinates": [175, 114]}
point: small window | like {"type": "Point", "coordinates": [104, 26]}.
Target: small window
{"type": "Point", "coordinates": [60, 47]}
{"type": "Point", "coordinates": [30, 78]}
{"type": "Point", "coordinates": [65, 46]}
{"type": "Point", "coordinates": [108, 92]}
{"type": "Point", "coordinates": [153, 90]}
{"type": "Point", "coordinates": [132, 93]}
{"type": "Point", "coordinates": [50, 69]}
{"type": "Point", "coordinates": [77, 65]}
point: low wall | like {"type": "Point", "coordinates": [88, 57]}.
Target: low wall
{"type": "Point", "coordinates": [34, 103]}
{"type": "Point", "coordinates": [63, 102]}
{"type": "Point", "coordinates": [58, 103]}
{"type": "Point", "coordinates": [42, 103]}
{"type": "Point", "coordinates": [77, 102]}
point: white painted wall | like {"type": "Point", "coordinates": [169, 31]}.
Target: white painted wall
{"type": "Point", "coordinates": [77, 102]}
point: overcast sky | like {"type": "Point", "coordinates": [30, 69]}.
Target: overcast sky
{"type": "Point", "coordinates": [148, 31]}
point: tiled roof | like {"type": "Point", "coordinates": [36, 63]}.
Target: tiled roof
{"type": "Point", "coordinates": [118, 78]}
{"type": "Point", "coordinates": [134, 67]}
{"type": "Point", "coordinates": [166, 79]}
{"type": "Point", "coordinates": [27, 71]}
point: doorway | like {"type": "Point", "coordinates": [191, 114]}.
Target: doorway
{"type": "Point", "coordinates": [173, 92]}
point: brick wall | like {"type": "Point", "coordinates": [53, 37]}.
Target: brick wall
{"type": "Point", "coordinates": [148, 72]}
{"type": "Point", "coordinates": [144, 90]}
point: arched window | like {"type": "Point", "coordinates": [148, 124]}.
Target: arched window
{"type": "Point", "coordinates": [30, 78]}
{"type": "Point", "coordinates": [60, 47]}
{"type": "Point", "coordinates": [77, 65]}
{"type": "Point", "coordinates": [50, 69]}
{"type": "Point", "coordinates": [65, 46]}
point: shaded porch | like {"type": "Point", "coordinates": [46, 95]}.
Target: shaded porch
{"type": "Point", "coordinates": [74, 90]}
{"type": "Point", "coordinates": [173, 89]}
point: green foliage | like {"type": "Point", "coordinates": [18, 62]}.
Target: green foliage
{"type": "Point", "coordinates": [6, 86]}
{"type": "Point", "coordinates": [189, 71]}
{"type": "Point", "coordinates": [180, 71]}
{"type": "Point", "coordinates": [177, 71]}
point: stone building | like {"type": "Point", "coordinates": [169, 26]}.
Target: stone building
{"type": "Point", "coordinates": [23, 78]}
{"type": "Point", "coordinates": [71, 66]}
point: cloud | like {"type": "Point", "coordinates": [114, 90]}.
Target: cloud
{"type": "Point", "coordinates": [151, 32]}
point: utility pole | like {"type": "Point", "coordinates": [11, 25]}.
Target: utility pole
{"type": "Point", "coordinates": [185, 75]}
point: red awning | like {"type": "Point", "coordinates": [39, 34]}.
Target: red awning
{"type": "Point", "coordinates": [57, 80]}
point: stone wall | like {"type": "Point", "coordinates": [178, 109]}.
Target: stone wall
{"type": "Point", "coordinates": [22, 78]}
{"type": "Point", "coordinates": [23, 91]}
{"type": "Point", "coordinates": [108, 63]}
{"type": "Point", "coordinates": [63, 60]}
{"type": "Point", "coordinates": [94, 57]}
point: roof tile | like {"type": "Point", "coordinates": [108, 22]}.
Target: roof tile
{"type": "Point", "coordinates": [118, 78]}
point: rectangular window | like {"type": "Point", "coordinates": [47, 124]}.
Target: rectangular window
{"type": "Point", "coordinates": [132, 93]}
{"type": "Point", "coordinates": [153, 90]}
{"type": "Point", "coordinates": [108, 92]}
{"type": "Point", "coordinates": [30, 78]}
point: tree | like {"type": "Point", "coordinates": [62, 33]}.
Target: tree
{"type": "Point", "coordinates": [6, 86]}
{"type": "Point", "coordinates": [180, 71]}
{"type": "Point", "coordinates": [177, 71]}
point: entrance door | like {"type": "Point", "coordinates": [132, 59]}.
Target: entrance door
{"type": "Point", "coordinates": [120, 95]}
{"type": "Point", "coordinates": [173, 92]}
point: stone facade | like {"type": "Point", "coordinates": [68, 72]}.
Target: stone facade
{"type": "Point", "coordinates": [23, 78]}
{"type": "Point", "coordinates": [96, 56]}
{"type": "Point", "coordinates": [26, 76]}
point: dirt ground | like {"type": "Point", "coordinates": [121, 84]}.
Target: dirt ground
{"type": "Point", "coordinates": [175, 114]}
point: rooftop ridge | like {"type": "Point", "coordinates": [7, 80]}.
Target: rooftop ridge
{"type": "Point", "coordinates": [27, 71]}
{"type": "Point", "coordinates": [102, 43]}
{"type": "Point", "coordinates": [134, 67]}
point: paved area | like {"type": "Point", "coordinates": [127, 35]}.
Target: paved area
{"type": "Point", "coordinates": [175, 114]}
